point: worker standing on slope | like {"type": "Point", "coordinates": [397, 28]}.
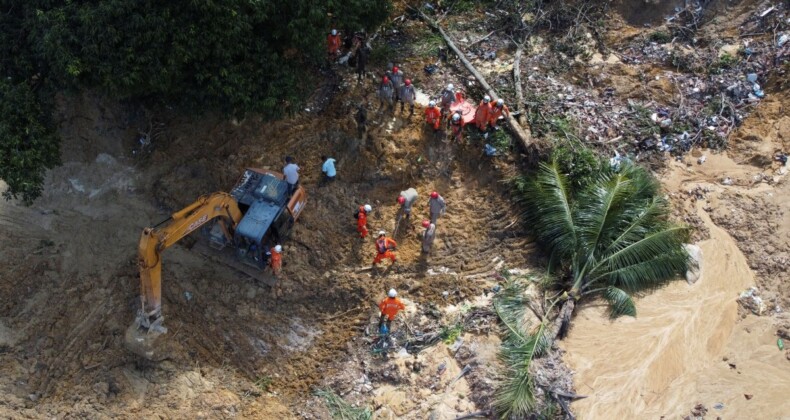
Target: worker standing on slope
{"type": "Point", "coordinates": [406, 199]}
{"type": "Point", "coordinates": [291, 174]}
{"type": "Point", "coordinates": [389, 308]}
{"type": "Point", "coordinates": [276, 260]}
{"type": "Point", "coordinates": [333, 44]}
{"type": "Point", "coordinates": [457, 124]}
{"type": "Point", "coordinates": [362, 120]}
{"type": "Point", "coordinates": [436, 206]}
{"type": "Point", "coordinates": [362, 220]}
{"type": "Point", "coordinates": [363, 53]}
{"type": "Point", "coordinates": [483, 113]}
{"type": "Point", "coordinates": [447, 98]}
{"type": "Point", "coordinates": [497, 111]}
{"type": "Point", "coordinates": [433, 116]}
{"type": "Point", "coordinates": [428, 236]}
{"type": "Point", "coordinates": [384, 248]}
{"type": "Point", "coordinates": [397, 81]}
{"type": "Point", "coordinates": [407, 96]}
{"type": "Point", "coordinates": [328, 169]}
{"type": "Point", "coordinates": [386, 93]}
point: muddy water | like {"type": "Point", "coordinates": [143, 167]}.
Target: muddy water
{"type": "Point", "coordinates": [671, 356]}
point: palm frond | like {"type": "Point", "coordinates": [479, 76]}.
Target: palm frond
{"type": "Point", "coordinates": [549, 211]}
{"type": "Point", "coordinates": [620, 302]}
{"type": "Point", "coordinates": [642, 264]}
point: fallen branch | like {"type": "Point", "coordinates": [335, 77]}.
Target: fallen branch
{"type": "Point", "coordinates": [484, 413]}
{"type": "Point", "coordinates": [522, 134]}
{"type": "Point", "coordinates": [481, 39]}
{"type": "Point", "coordinates": [517, 79]}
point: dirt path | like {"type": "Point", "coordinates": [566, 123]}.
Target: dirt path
{"type": "Point", "coordinates": [687, 344]}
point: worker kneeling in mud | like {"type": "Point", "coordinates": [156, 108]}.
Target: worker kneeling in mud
{"type": "Point", "coordinates": [384, 248]}
{"type": "Point", "coordinates": [389, 307]}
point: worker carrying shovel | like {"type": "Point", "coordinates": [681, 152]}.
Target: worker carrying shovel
{"type": "Point", "coordinates": [384, 248]}
{"type": "Point", "coordinates": [389, 308]}
{"type": "Point", "coordinates": [428, 236]}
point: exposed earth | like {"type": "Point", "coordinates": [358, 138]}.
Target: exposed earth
{"type": "Point", "coordinates": [235, 348]}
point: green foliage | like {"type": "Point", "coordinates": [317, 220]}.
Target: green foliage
{"type": "Point", "coordinates": [501, 140]}
{"type": "Point", "coordinates": [29, 145]}
{"type": "Point", "coordinates": [726, 61]}
{"type": "Point", "coordinates": [610, 237]}
{"type": "Point", "coordinates": [451, 333]}
{"type": "Point", "coordinates": [232, 56]}
{"type": "Point", "coordinates": [660, 37]}
{"type": "Point", "coordinates": [263, 383]}
{"type": "Point", "coordinates": [580, 166]}
{"type": "Point", "coordinates": [340, 409]}
{"type": "Point", "coordinates": [515, 398]}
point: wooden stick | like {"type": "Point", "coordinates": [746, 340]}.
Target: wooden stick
{"type": "Point", "coordinates": [522, 134]}
{"type": "Point", "coordinates": [483, 413]}
{"type": "Point", "coordinates": [481, 39]}
{"type": "Point", "coordinates": [517, 81]}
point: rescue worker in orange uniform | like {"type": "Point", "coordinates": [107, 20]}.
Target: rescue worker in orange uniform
{"type": "Point", "coordinates": [276, 260]}
{"type": "Point", "coordinates": [433, 115]}
{"type": "Point", "coordinates": [384, 248]}
{"type": "Point", "coordinates": [498, 110]}
{"type": "Point", "coordinates": [362, 220]}
{"type": "Point", "coordinates": [457, 125]}
{"type": "Point", "coordinates": [333, 44]}
{"type": "Point", "coordinates": [483, 113]}
{"type": "Point", "coordinates": [390, 307]}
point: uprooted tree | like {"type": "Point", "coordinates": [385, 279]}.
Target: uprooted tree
{"type": "Point", "coordinates": [232, 56]}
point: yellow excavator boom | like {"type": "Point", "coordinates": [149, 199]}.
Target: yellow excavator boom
{"type": "Point", "coordinates": [155, 240]}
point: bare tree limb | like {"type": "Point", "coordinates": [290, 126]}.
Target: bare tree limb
{"type": "Point", "coordinates": [517, 81]}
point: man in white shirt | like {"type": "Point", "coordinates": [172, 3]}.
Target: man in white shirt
{"type": "Point", "coordinates": [291, 174]}
{"type": "Point", "coordinates": [328, 168]}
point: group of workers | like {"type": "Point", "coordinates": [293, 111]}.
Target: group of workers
{"type": "Point", "coordinates": [395, 87]}
{"type": "Point", "coordinates": [385, 246]}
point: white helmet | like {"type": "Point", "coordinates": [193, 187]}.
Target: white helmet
{"type": "Point", "coordinates": [392, 293]}
{"type": "Point", "coordinates": [334, 31]}
{"type": "Point", "coordinates": [456, 117]}
{"type": "Point", "coordinates": [431, 103]}
{"type": "Point", "coordinates": [278, 249]}
{"type": "Point", "coordinates": [381, 232]}
{"type": "Point", "coordinates": [500, 102]}
{"type": "Point", "coordinates": [367, 208]}
{"type": "Point", "coordinates": [450, 87]}
{"type": "Point", "coordinates": [486, 99]}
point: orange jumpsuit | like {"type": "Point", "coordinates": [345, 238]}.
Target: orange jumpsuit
{"type": "Point", "coordinates": [458, 128]}
{"type": "Point", "coordinates": [482, 115]}
{"type": "Point", "coordinates": [276, 262]}
{"type": "Point", "coordinates": [390, 307]}
{"type": "Point", "coordinates": [496, 112]}
{"type": "Point", "coordinates": [333, 44]}
{"type": "Point", "coordinates": [383, 250]}
{"type": "Point", "coordinates": [433, 116]}
{"type": "Point", "coordinates": [362, 222]}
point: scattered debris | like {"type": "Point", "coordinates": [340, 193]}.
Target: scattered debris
{"type": "Point", "coordinates": [751, 300]}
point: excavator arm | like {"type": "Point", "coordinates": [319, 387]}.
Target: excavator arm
{"type": "Point", "coordinates": [155, 240]}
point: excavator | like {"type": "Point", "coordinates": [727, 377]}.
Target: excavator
{"type": "Point", "coordinates": [240, 226]}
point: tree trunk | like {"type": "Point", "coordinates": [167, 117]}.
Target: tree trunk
{"type": "Point", "coordinates": [522, 134]}
{"type": "Point", "coordinates": [563, 321]}
{"type": "Point", "coordinates": [520, 103]}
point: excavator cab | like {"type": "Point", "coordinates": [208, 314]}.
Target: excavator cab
{"type": "Point", "coordinates": [268, 214]}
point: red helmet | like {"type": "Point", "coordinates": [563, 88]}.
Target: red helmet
{"type": "Point", "coordinates": [394, 69]}
{"type": "Point", "coordinates": [426, 223]}
{"type": "Point", "coordinates": [408, 82]}
{"type": "Point", "coordinates": [434, 194]}
{"type": "Point", "coordinates": [385, 79]}
{"type": "Point", "coordinates": [401, 199]}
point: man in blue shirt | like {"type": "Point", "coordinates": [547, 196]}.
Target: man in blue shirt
{"type": "Point", "coordinates": [328, 169]}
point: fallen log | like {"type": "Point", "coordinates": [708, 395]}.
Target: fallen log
{"type": "Point", "coordinates": [520, 103]}
{"type": "Point", "coordinates": [522, 134]}
{"type": "Point", "coordinates": [484, 413]}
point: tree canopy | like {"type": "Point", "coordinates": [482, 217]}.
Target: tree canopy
{"type": "Point", "coordinates": [233, 56]}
